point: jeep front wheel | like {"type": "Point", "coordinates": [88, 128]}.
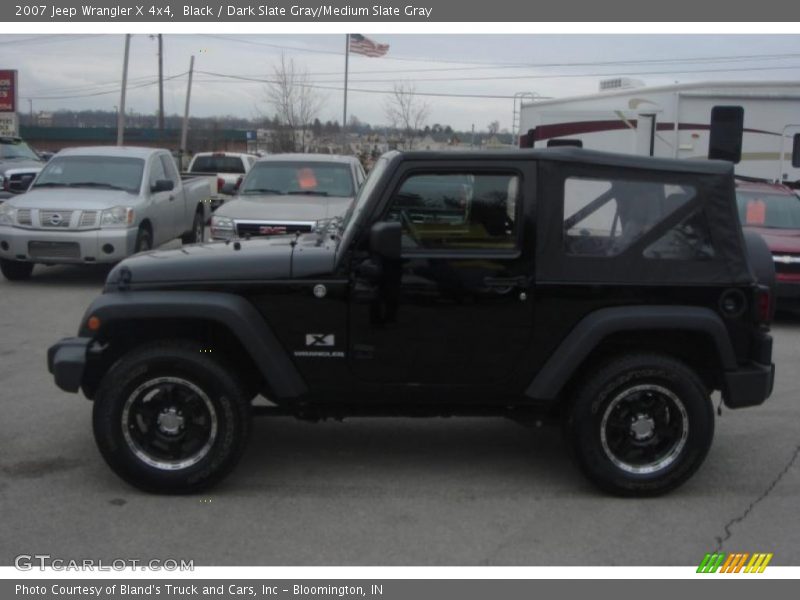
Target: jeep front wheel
{"type": "Point", "coordinates": [167, 418]}
{"type": "Point", "coordinates": [641, 425]}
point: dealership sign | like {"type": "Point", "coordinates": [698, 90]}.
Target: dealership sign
{"type": "Point", "coordinates": [8, 103]}
{"type": "Point", "coordinates": [8, 125]}
{"type": "Point", "coordinates": [8, 91]}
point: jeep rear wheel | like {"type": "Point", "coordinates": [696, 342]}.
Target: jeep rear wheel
{"type": "Point", "coordinates": [169, 419]}
{"type": "Point", "coordinates": [641, 425]}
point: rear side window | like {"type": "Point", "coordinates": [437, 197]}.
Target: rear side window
{"type": "Point", "coordinates": [604, 217]}
{"type": "Point", "coordinates": [217, 164]}
{"type": "Point", "coordinates": [457, 211]}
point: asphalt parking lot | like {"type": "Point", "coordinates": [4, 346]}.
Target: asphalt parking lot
{"type": "Point", "coordinates": [373, 491]}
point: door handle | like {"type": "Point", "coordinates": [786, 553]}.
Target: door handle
{"type": "Point", "coordinates": [506, 282]}
{"type": "Point", "coordinates": [171, 197]}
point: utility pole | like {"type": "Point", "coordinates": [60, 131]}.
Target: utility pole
{"type": "Point", "coordinates": [185, 129]}
{"type": "Point", "coordinates": [121, 113]}
{"type": "Point", "coordinates": [346, 65]}
{"type": "Point", "coordinates": [160, 87]}
{"type": "Point", "coordinates": [30, 105]}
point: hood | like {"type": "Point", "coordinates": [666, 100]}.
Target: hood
{"type": "Point", "coordinates": [206, 265]}
{"type": "Point", "coordinates": [24, 164]}
{"type": "Point", "coordinates": [284, 208]}
{"type": "Point", "coordinates": [74, 199]}
{"type": "Point", "coordinates": [780, 240]}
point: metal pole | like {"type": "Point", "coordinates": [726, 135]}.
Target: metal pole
{"type": "Point", "coordinates": [185, 129]}
{"type": "Point", "coordinates": [160, 88]}
{"type": "Point", "coordinates": [346, 65]}
{"type": "Point", "coordinates": [121, 113]}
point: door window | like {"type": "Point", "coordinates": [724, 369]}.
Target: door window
{"type": "Point", "coordinates": [457, 211]}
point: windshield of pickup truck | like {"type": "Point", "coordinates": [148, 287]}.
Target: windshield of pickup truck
{"type": "Point", "coordinates": [773, 211]}
{"type": "Point", "coordinates": [299, 178]}
{"type": "Point", "coordinates": [217, 164]}
{"type": "Point", "coordinates": [14, 149]}
{"type": "Point", "coordinates": [110, 172]}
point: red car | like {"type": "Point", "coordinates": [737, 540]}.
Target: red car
{"type": "Point", "coordinates": [773, 210]}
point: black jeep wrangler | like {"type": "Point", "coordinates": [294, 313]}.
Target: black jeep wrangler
{"type": "Point", "coordinates": [615, 292]}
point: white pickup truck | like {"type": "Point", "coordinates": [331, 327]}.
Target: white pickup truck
{"type": "Point", "coordinates": [229, 169]}
{"type": "Point", "coordinates": [100, 205]}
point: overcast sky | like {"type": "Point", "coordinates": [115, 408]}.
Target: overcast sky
{"type": "Point", "coordinates": [52, 67]}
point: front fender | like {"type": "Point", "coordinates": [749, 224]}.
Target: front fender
{"type": "Point", "coordinates": [229, 310]}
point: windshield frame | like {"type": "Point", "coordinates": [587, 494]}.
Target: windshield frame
{"type": "Point", "coordinates": [351, 221]}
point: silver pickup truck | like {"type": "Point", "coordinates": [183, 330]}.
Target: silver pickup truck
{"type": "Point", "coordinates": [99, 205]}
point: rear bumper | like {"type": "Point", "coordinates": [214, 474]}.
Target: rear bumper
{"type": "Point", "coordinates": [66, 360]}
{"type": "Point", "coordinates": [752, 382]}
{"type": "Point", "coordinates": [748, 386]}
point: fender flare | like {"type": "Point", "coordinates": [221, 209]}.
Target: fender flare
{"type": "Point", "coordinates": [596, 326]}
{"type": "Point", "coordinates": [229, 310]}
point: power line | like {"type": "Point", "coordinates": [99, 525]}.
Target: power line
{"type": "Point", "coordinates": [335, 88]}
{"type": "Point", "coordinates": [47, 39]}
{"type": "Point", "coordinates": [568, 75]}
{"type": "Point", "coordinates": [87, 87]}
{"type": "Point", "coordinates": [103, 93]}
{"type": "Point", "coordinates": [514, 65]}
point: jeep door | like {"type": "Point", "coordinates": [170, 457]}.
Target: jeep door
{"type": "Point", "coordinates": [457, 308]}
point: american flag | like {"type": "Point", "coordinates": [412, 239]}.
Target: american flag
{"type": "Point", "coordinates": [363, 45]}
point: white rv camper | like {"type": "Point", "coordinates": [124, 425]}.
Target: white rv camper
{"type": "Point", "coordinates": [678, 121]}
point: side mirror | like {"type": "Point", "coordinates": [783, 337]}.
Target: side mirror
{"type": "Point", "coordinates": [796, 151]}
{"type": "Point", "coordinates": [162, 185]}
{"type": "Point", "coordinates": [727, 130]}
{"type": "Point", "coordinates": [385, 239]}
{"type": "Point", "coordinates": [228, 188]}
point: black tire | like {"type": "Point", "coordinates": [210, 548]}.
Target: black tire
{"type": "Point", "coordinates": [144, 240]}
{"type": "Point", "coordinates": [15, 270]}
{"type": "Point", "coordinates": [196, 235]}
{"type": "Point", "coordinates": [169, 419]}
{"type": "Point", "coordinates": [640, 425]}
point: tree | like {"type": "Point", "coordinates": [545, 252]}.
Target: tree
{"type": "Point", "coordinates": [406, 111]}
{"type": "Point", "coordinates": [493, 127]}
{"type": "Point", "coordinates": [295, 103]}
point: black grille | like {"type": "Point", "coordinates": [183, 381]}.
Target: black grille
{"type": "Point", "coordinates": [265, 229]}
{"type": "Point", "coordinates": [20, 182]}
{"type": "Point", "coordinates": [54, 250]}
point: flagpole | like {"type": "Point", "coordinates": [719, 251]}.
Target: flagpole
{"type": "Point", "coordinates": [346, 64]}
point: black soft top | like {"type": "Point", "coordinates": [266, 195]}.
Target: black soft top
{"type": "Point", "coordinates": [715, 198]}
{"type": "Point", "coordinates": [579, 155]}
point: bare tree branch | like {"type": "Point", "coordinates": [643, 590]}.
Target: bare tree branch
{"type": "Point", "coordinates": [293, 101]}
{"type": "Point", "coordinates": [406, 111]}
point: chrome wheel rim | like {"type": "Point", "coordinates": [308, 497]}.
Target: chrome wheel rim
{"type": "Point", "coordinates": [644, 429]}
{"type": "Point", "coordinates": [169, 423]}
